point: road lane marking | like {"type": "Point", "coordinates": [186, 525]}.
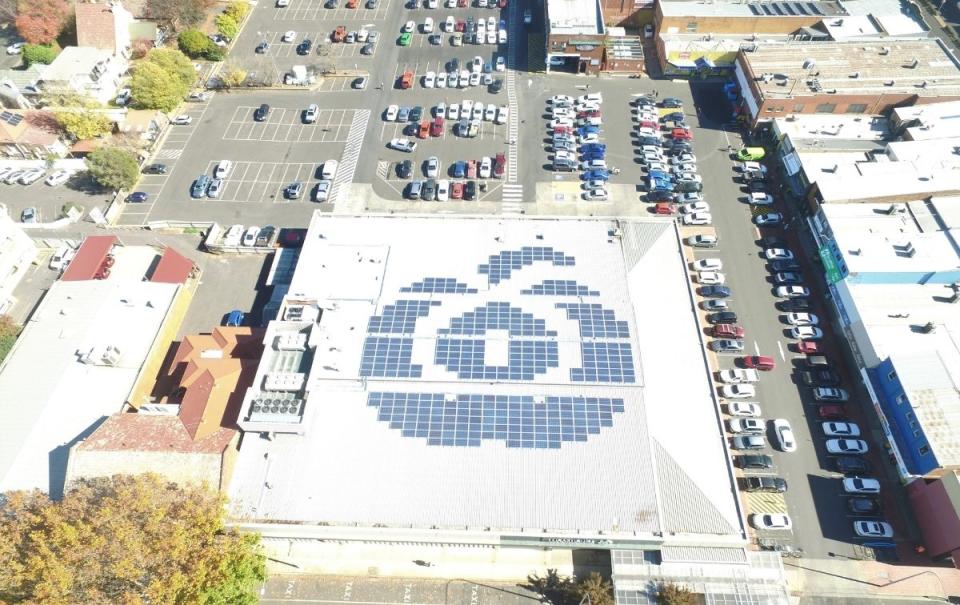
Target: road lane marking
{"type": "Point", "coordinates": [780, 347]}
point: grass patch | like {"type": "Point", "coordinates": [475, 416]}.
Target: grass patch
{"type": "Point", "coordinates": [8, 335]}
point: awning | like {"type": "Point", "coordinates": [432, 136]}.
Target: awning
{"type": "Point", "coordinates": [704, 63]}
{"type": "Point", "coordinates": [90, 257]}
{"type": "Point", "coordinates": [682, 64]}
{"type": "Point", "coordinates": [173, 268]}
{"type": "Point", "coordinates": [792, 163]}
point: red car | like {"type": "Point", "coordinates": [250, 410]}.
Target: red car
{"type": "Point", "coordinates": [424, 130]}
{"type": "Point", "coordinates": [808, 346]}
{"type": "Point", "coordinates": [831, 412]}
{"type": "Point", "coordinates": [471, 169]}
{"type": "Point", "coordinates": [759, 362]}
{"type": "Point", "coordinates": [352, 3]}
{"type": "Point", "coordinates": [562, 130]}
{"type": "Point", "coordinates": [499, 163]}
{"type": "Point", "coordinates": [647, 124]}
{"type": "Point", "coordinates": [502, 3]}
{"type": "Point", "coordinates": [665, 208]}
{"type": "Point", "coordinates": [461, 26]}
{"type": "Point", "coordinates": [681, 134]}
{"type": "Point", "coordinates": [727, 331]}
{"type": "Point", "coordinates": [456, 190]}
{"type": "Point", "coordinates": [461, 3]}
{"type": "Point", "coordinates": [436, 128]}
{"type": "Point", "coordinates": [588, 114]}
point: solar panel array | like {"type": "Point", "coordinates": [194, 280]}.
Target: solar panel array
{"type": "Point", "coordinates": [400, 317]}
{"type": "Point", "coordinates": [12, 119]}
{"type": "Point", "coordinates": [497, 316]}
{"type": "Point", "coordinates": [518, 420]}
{"type": "Point", "coordinates": [500, 266]}
{"type": "Point", "coordinates": [525, 359]}
{"type": "Point", "coordinates": [439, 285]}
{"type": "Point", "coordinates": [388, 358]}
{"type": "Point", "coordinates": [559, 287]}
{"type": "Point", "coordinates": [595, 321]}
{"type": "Point", "coordinates": [786, 9]}
{"type": "Point", "coordinates": [605, 362]}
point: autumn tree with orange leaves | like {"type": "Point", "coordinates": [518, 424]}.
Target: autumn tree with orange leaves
{"type": "Point", "coordinates": [41, 21]}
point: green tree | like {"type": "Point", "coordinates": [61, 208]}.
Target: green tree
{"type": "Point", "coordinates": [40, 53]}
{"type": "Point", "coordinates": [227, 26]}
{"type": "Point", "coordinates": [596, 588]}
{"type": "Point", "coordinates": [196, 45]}
{"type": "Point", "coordinates": [674, 594]}
{"type": "Point", "coordinates": [175, 63]}
{"type": "Point", "coordinates": [153, 87]}
{"type": "Point", "coordinates": [237, 10]}
{"type": "Point", "coordinates": [233, 77]}
{"type": "Point", "coordinates": [125, 539]}
{"type": "Point", "coordinates": [84, 124]}
{"type": "Point", "coordinates": [8, 335]}
{"type": "Point", "coordinates": [114, 168]}
{"type": "Point", "coordinates": [558, 589]}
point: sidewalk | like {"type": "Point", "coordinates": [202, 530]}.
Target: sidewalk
{"type": "Point", "coordinates": [869, 578]}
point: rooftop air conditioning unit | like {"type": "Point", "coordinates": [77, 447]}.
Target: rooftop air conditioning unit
{"type": "Point", "coordinates": [912, 64]}
{"type": "Point", "coordinates": [110, 356]}
{"type": "Point", "coordinates": [855, 75]}
{"type": "Point", "coordinates": [885, 50]}
{"type": "Point", "coordinates": [809, 63]}
{"type": "Point", "coordinates": [889, 83]}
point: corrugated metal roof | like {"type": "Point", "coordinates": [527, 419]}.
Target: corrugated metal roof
{"type": "Point", "coordinates": [173, 268]}
{"type": "Point", "coordinates": [686, 509]}
{"type": "Point", "coordinates": [90, 256]}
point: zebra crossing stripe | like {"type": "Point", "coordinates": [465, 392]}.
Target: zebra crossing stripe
{"type": "Point", "coordinates": [511, 193]}
{"type": "Point", "coordinates": [351, 153]}
{"type": "Point", "coordinates": [168, 154]}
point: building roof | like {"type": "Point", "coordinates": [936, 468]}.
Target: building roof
{"type": "Point", "coordinates": [783, 9]}
{"type": "Point", "coordinates": [828, 128]}
{"type": "Point", "coordinates": [462, 366]}
{"type": "Point", "coordinates": [74, 61]}
{"type": "Point", "coordinates": [24, 131]}
{"type": "Point", "coordinates": [96, 25]}
{"type": "Point", "coordinates": [893, 66]}
{"type": "Point", "coordinates": [931, 380]}
{"type": "Point", "coordinates": [929, 120]}
{"type": "Point", "coordinates": [74, 363]}
{"type": "Point", "coordinates": [90, 257]}
{"type": "Point", "coordinates": [172, 268]}
{"type": "Point", "coordinates": [583, 17]}
{"type": "Point", "coordinates": [152, 433]}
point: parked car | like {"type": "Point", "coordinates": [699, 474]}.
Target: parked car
{"type": "Point", "coordinates": [851, 465]}
{"type": "Point", "coordinates": [792, 291]}
{"type": "Point", "coordinates": [873, 529]}
{"type": "Point", "coordinates": [748, 442]}
{"type": "Point", "coordinates": [722, 317]}
{"type": "Point", "coordinates": [743, 408]}
{"type": "Point", "coordinates": [738, 391]}
{"type": "Point", "coordinates": [763, 363]}
{"type": "Point", "coordinates": [785, 437]}
{"type": "Point", "coordinates": [765, 484]}
{"type": "Point", "coordinates": [715, 291]}
{"type": "Point", "coordinates": [831, 412]}
{"type": "Point", "coordinates": [847, 446]}
{"type": "Point", "coordinates": [861, 485]}
{"type": "Point", "coordinates": [820, 378]}
{"type": "Point", "coordinates": [806, 333]}
{"type": "Point", "coordinates": [771, 521]}
{"type": "Point", "coordinates": [840, 429]}
{"type": "Point", "coordinates": [830, 394]}
{"type": "Point", "coordinates": [748, 426]}
{"type": "Point", "coordinates": [701, 241]}
{"type": "Point", "coordinates": [727, 346]}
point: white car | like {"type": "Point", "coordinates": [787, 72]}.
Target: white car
{"type": "Point", "coordinates": [847, 446]}
{"type": "Point", "coordinates": [861, 485]}
{"type": "Point", "coordinates": [408, 27]}
{"type": "Point", "coordinates": [596, 195]}
{"type": "Point", "coordinates": [697, 218]}
{"type": "Point", "coordinates": [738, 376]}
{"type": "Point", "coordinates": [743, 408]}
{"type": "Point", "coordinates": [771, 521]}
{"type": "Point", "coordinates": [501, 36]}
{"type": "Point", "coordinates": [58, 178]}
{"type": "Point", "coordinates": [749, 426]}
{"type": "Point", "coordinates": [429, 79]}
{"type": "Point", "coordinates": [562, 112]}
{"type": "Point", "coordinates": [466, 108]}
{"type": "Point", "coordinates": [289, 36]}
{"type": "Point", "coordinates": [250, 236]}
{"type": "Point", "coordinates": [223, 169]}
{"type": "Point", "coordinates": [477, 111]}
{"type": "Point", "coordinates": [16, 48]}
{"type": "Point", "coordinates": [476, 66]}
{"type": "Point", "coordinates": [840, 429]}
{"type": "Point", "coordinates": [443, 190]}
{"type": "Point", "coordinates": [432, 167]}
{"type": "Point", "coordinates": [501, 64]}
{"type": "Point", "coordinates": [392, 112]}
{"type": "Point", "coordinates": [123, 97]}
{"type": "Point", "coordinates": [592, 121]}
{"type": "Point", "coordinates": [752, 167]}
{"type": "Point", "coordinates": [32, 176]}
{"type": "Point", "coordinates": [686, 198]}
{"type": "Point", "coordinates": [685, 167]}
{"type": "Point", "coordinates": [647, 132]}
{"type": "Point", "coordinates": [788, 443]}
{"type": "Point", "coordinates": [440, 110]}
{"type": "Point", "coordinates": [695, 207]}
{"type": "Point", "coordinates": [561, 100]}
{"type": "Point", "coordinates": [688, 176]}
{"type": "Point", "coordinates": [806, 333]}
{"type": "Point", "coordinates": [322, 191]}
{"type": "Point", "coordinates": [873, 529]}
{"type": "Point", "coordinates": [401, 144]}
{"type": "Point", "coordinates": [62, 257]}
{"type": "Point", "coordinates": [759, 198]}
{"type": "Point", "coordinates": [652, 165]}
{"type": "Point", "coordinates": [684, 158]}
{"type": "Point", "coordinates": [590, 137]}
{"type": "Point", "coordinates": [738, 391]}
{"type": "Point", "coordinates": [561, 122]}
{"type": "Point", "coordinates": [441, 80]}
{"type": "Point", "coordinates": [715, 304]}
{"type": "Point", "coordinates": [593, 165]}
{"type": "Point", "coordinates": [708, 264]}
{"type": "Point", "coordinates": [802, 319]}
{"type": "Point", "coordinates": [449, 24]}
{"type": "Point", "coordinates": [474, 80]}
{"type": "Point", "coordinates": [593, 97]}
{"type": "Point", "coordinates": [594, 185]}
{"type": "Point", "coordinates": [453, 112]}
{"type": "Point", "coordinates": [182, 120]}
{"type": "Point", "coordinates": [310, 115]}
{"type": "Point", "coordinates": [778, 254]}
{"type": "Point", "coordinates": [792, 291]}
{"type": "Point", "coordinates": [485, 166]}
{"type": "Point", "coordinates": [711, 278]}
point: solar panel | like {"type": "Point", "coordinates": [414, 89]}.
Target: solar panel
{"type": "Point", "coordinates": [15, 120]}
{"type": "Point", "coordinates": [400, 317]}
{"type": "Point", "coordinates": [439, 285]}
{"type": "Point", "coordinates": [388, 358]}
{"type": "Point", "coordinates": [517, 420]}
{"type": "Point", "coordinates": [559, 287]}
{"type": "Point", "coordinates": [525, 359]}
{"type": "Point", "coordinates": [800, 8]}
{"type": "Point", "coordinates": [595, 321]}
{"type": "Point", "coordinates": [787, 6]}
{"type": "Point", "coordinates": [497, 316]}
{"type": "Point", "coordinates": [814, 8]}
{"type": "Point", "coordinates": [500, 266]}
{"type": "Point", "coordinates": [605, 362]}
{"type": "Point", "coordinates": [755, 9]}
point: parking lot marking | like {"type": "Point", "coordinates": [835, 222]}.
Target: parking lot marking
{"type": "Point", "coordinates": [512, 193]}
{"type": "Point", "coordinates": [780, 348]}
{"type": "Point", "coordinates": [351, 153]}
{"type": "Point", "coordinates": [286, 126]}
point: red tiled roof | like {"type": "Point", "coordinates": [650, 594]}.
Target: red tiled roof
{"type": "Point", "coordinates": [150, 433]}
{"type": "Point", "coordinates": [95, 26]}
{"type": "Point", "coordinates": [26, 132]}
{"type": "Point", "coordinates": [90, 256]}
{"type": "Point", "coordinates": [173, 268]}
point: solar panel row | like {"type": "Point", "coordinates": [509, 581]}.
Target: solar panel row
{"type": "Point", "coordinates": [518, 420]}
{"type": "Point", "coordinates": [605, 362]}
{"type": "Point", "coordinates": [497, 316]}
{"type": "Point", "coordinates": [400, 317]}
{"type": "Point", "coordinates": [525, 359]}
{"type": "Point", "coordinates": [500, 266]}
{"type": "Point", "coordinates": [388, 358]}
{"type": "Point", "coordinates": [559, 287]}
{"type": "Point", "coordinates": [439, 285]}
{"type": "Point", "coordinates": [595, 321]}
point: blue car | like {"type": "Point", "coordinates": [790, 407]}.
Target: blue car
{"type": "Point", "coordinates": [585, 130]}
{"type": "Point", "coordinates": [593, 155]}
{"type": "Point", "coordinates": [715, 291]}
{"type": "Point", "coordinates": [459, 169]}
{"type": "Point", "coordinates": [595, 175]}
{"type": "Point", "coordinates": [593, 147]}
{"type": "Point", "coordinates": [234, 318]}
{"type": "Point", "coordinates": [659, 175]}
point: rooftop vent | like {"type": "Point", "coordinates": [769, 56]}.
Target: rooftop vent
{"type": "Point", "coordinates": [889, 83]}
{"type": "Point", "coordinates": [809, 63]}
{"type": "Point", "coordinates": [911, 64]}
{"type": "Point", "coordinates": [855, 75]}
{"type": "Point", "coordinates": [885, 50]}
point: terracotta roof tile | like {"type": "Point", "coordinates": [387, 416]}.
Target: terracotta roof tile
{"type": "Point", "coordinates": [95, 26]}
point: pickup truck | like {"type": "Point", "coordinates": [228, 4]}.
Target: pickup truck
{"type": "Point", "coordinates": [339, 33]}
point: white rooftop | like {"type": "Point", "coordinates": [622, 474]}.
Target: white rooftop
{"type": "Point", "coordinates": [451, 385]}
{"type": "Point", "coordinates": [825, 127]}
{"type": "Point", "coordinates": [74, 61]}
{"type": "Point", "coordinates": [932, 120]}
{"type": "Point", "coordinates": [51, 398]}
{"type": "Point", "coordinates": [582, 17]}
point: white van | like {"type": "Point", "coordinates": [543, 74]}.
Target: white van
{"type": "Point", "coordinates": [428, 25]}
{"type": "Point", "coordinates": [329, 169]}
{"type": "Point", "coordinates": [233, 236]}
{"type": "Point", "coordinates": [223, 169]}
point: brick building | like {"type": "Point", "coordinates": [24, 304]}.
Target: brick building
{"type": "Point", "coordinates": [575, 36]}
{"type": "Point", "coordinates": [853, 77]}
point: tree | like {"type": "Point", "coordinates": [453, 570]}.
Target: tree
{"type": "Point", "coordinates": [39, 53]}
{"type": "Point", "coordinates": [237, 10]}
{"type": "Point", "coordinates": [674, 594]}
{"type": "Point", "coordinates": [178, 14]}
{"type": "Point", "coordinates": [8, 10]}
{"type": "Point", "coordinates": [125, 539]}
{"type": "Point", "coordinates": [40, 21]}
{"type": "Point", "coordinates": [195, 44]}
{"type": "Point", "coordinates": [84, 124]}
{"type": "Point", "coordinates": [227, 26]}
{"type": "Point", "coordinates": [233, 77]}
{"type": "Point", "coordinates": [114, 168]}
{"type": "Point", "coordinates": [558, 589]}
{"type": "Point", "coordinates": [8, 335]}
{"type": "Point", "coordinates": [152, 87]}
{"type": "Point", "coordinates": [594, 586]}
{"type": "Point", "coordinates": [175, 63]}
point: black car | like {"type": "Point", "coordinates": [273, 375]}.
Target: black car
{"type": "Point", "coordinates": [470, 190]}
{"type": "Point", "coordinates": [137, 197]}
{"type": "Point", "coordinates": [851, 465]}
{"type": "Point", "coordinates": [722, 317]}
{"type": "Point", "coordinates": [688, 187]}
{"type": "Point", "coordinates": [863, 506]}
{"type": "Point", "coordinates": [368, 48]}
{"type": "Point", "coordinates": [673, 116]}
{"type": "Point", "coordinates": [758, 186]}
{"type": "Point", "coordinates": [330, 4]}
{"type": "Point", "coordinates": [677, 147]}
{"type": "Point", "coordinates": [827, 378]}
{"type": "Point", "coordinates": [795, 305]}
{"type": "Point", "coordinates": [765, 484]}
{"type": "Point", "coordinates": [429, 190]}
{"type": "Point", "coordinates": [266, 235]}
{"type": "Point", "coordinates": [155, 169]}
{"type": "Point", "coordinates": [787, 278]}
{"type": "Point", "coordinates": [305, 47]}
{"type": "Point", "coordinates": [359, 83]}
{"type": "Point", "coordinates": [261, 113]}
{"type": "Point", "coordinates": [405, 169]}
{"type": "Point", "coordinates": [659, 196]}
{"type": "Point", "coordinates": [671, 103]}
{"type": "Point", "coordinates": [772, 241]}
{"type": "Point", "coordinates": [757, 461]}
{"type": "Point", "coordinates": [262, 47]}
{"type": "Point", "coordinates": [496, 86]}
{"type": "Point", "coordinates": [783, 265]}
{"type": "Point", "coordinates": [453, 65]}
{"type": "Point", "coordinates": [416, 113]}
{"type": "Point", "coordinates": [649, 141]}
{"type": "Point", "coordinates": [752, 175]}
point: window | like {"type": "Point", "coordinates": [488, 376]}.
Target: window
{"type": "Point", "coordinates": [901, 399]}
{"type": "Point", "coordinates": [857, 108]}
{"type": "Point", "coordinates": [924, 450]}
{"type": "Point", "coordinates": [913, 424]}
{"type": "Point", "coordinates": [798, 108]}
{"type": "Point", "coordinates": [892, 375]}
{"type": "Point", "coordinates": [692, 26]}
{"type": "Point", "coordinates": [908, 415]}
{"type": "Point", "coordinates": [916, 434]}
{"type": "Point", "coordinates": [826, 107]}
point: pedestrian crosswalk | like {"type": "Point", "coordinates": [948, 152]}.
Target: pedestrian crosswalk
{"type": "Point", "coordinates": [511, 193]}
{"type": "Point", "coordinates": [513, 153]}
{"type": "Point", "coordinates": [351, 153]}
{"type": "Point", "coordinates": [168, 154]}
